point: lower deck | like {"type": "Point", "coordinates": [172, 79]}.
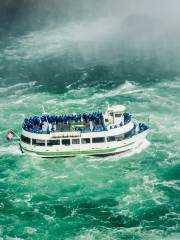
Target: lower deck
{"type": "Point", "coordinates": [90, 148]}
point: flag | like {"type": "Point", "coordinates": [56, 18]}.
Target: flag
{"type": "Point", "coordinates": [10, 135]}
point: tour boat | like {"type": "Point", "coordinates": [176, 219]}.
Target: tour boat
{"type": "Point", "coordinates": [93, 134]}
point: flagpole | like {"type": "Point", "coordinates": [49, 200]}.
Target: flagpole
{"type": "Point", "coordinates": [17, 135]}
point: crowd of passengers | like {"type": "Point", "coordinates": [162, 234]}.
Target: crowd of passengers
{"type": "Point", "coordinates": [139, 127]}
{"type": "Point", "coordinates": [47, 121]}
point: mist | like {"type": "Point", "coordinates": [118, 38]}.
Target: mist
{"type": "Point", "coordinates": [42, 12]}
{"type": "Point", "coordinates": [90, 41]}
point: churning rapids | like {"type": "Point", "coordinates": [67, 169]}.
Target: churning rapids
{"type": "Point", "coordinates": [82, 65]}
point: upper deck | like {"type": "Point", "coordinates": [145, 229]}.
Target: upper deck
{"type": "Point", "coordinates": [84, 123]}
{"type": "Point", "coordinates": [73, 123]}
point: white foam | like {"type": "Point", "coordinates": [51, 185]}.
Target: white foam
{"type": "Point", "coordinates": [172, 184]}
{"type": "Point", "coordinates": [60, 177]}
{"type": "Point", "coordinates": [48, 218]}
{"type": "Point", "coordinates": [120, 156]}
{"type": "Point", "coordinates": [18, 86]}
{"type": "Point", "coordinates": [13, 238]}
{"type": "Point", "coordinates": [30, 230]}
{"type": "Point", "coordinates": [11, 149]}
{"type": "Point", "coordinates": [127, 86]}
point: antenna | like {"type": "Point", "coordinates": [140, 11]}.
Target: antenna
{"type": "Point", "coordinates": [45, 113]}
{"type": "Point", "coordinates": [44, 110]}
{"type": "Point", "coordinates": [107, 105]}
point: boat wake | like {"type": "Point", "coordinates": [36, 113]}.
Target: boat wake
{"type": "Point", "coordinates": [12, 150]}
{"type": "Point", "coordinates": [145, 144]}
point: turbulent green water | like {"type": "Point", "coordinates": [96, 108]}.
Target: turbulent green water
{"type": "Point", "coordinates": [132, 196]}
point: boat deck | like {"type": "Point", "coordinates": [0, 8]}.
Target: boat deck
{"type": "Point", "coordinates": [84, 123]}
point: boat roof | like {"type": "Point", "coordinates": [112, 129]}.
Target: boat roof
{"type": "Point", "coordinates": [116, 108]}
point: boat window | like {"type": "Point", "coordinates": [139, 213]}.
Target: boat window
{"type": "Point", "coordinates": [127, 134]}
{"type": "Point", "coordinates": [111, 114]}
{"type": "Point", "coordinates": [98, 140]}
{"type": "Point", "coordinates": [117, 115]}
{"type": "Point", "coordinates": [111, 139]}
{"type": "Point", "coordinates": [53, 142]}
{"type": "Point", "coordinates": [66, 142]}
{"type": "Point", "coordinates": [76, 141]}
{"type": "Point", "coordinates": [119, 137]}
{"type": "Point", "coordinates": [85, 140]}
{"type": "Point", "coordinates": [106, 120]}
{"type": "Point", "coordinates": [38, 142]}
{"type": "Point", "coordinates": [25, 139]}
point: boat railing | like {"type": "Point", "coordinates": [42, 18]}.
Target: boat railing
{"type": "Point", "coordinates": [138, 128]}
{"type": "Point", "coordinates": [85, 130]}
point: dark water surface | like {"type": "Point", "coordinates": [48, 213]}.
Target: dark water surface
{"type": "Point", "coordinates": [76, 67]}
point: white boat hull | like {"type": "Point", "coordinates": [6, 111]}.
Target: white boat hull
{"type": "Point", "coordinates": [98, 149]}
